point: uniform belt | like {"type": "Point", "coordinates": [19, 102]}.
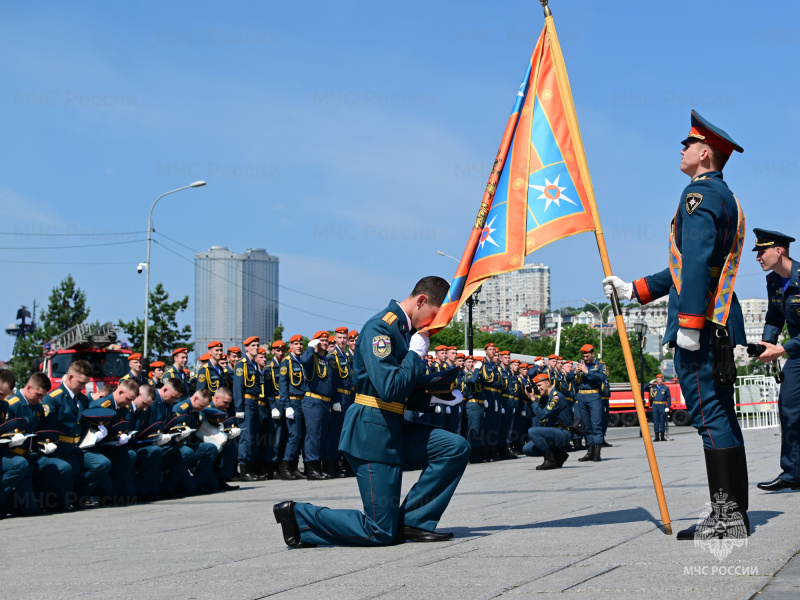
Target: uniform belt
{"type": "Point", "coordinates": [512, 396]}
{"type": "Point", "coordinates": [497, 390]}
{"type": "Point", "coordinates": [318, 397]}
{"type": "Point", "coordinates": [20, 451]}
{"type": "Point", "coordinates": [343, 391]}
{"type": "Point", "coordinates": [250, 397]}
{"type": "Point", "coordinates": [588, 391]}
{"type": "Point", "coordinates": [69, 440]}
{"type": "Point", "coordinates": [295, 397]}
{"type": "Point", "coordinates": [476, 401]}
{"type": "Point", "coordinates": [395, 407]}
{"type": "Point", "coordinates": [263, 402]}
{"type": "Point", "coordinates": [659, 401]}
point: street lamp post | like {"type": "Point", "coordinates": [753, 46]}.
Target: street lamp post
{"type": "Point", "coordinates": [602, 327]}
{"type": "Point", "coordinates": [147, 264]}
{"type": "Point", "coordinates": [640, 327]}
{"type": "Point", "coordinates": [468, 325]}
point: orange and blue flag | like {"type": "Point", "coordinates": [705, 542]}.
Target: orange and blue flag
{"type": "Point", "coordinates": [539, 191]}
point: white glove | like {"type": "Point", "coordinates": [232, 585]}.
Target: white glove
{"type": "Point", "coordinates": [185, 433]}
{"type": "Point", "coordinates": [16, 440]}
{"type": "Point", "coordinates": [162, 439]}
{"type": "Point", "coordinates": [502, 411]}
{"type": "Point", "coordinates": [276, 414]}
{"type": "Point", "coordinates": [624, 290]}
{"type": "Point", "coordinates": [337, 407]}
{"type": "Point", "coordinates": [419, 343]}
{"type": "Point", "coordinates": [101, 433]}
{"type": "Point", "coordinates": [689, 339]}
{"type": "Point", "coordinates": [486, 404]}
{"type": "Point", "coordinates": [124, 438]}
{"type": "Point", "coordinates": [524, 414]}
{"type": "Point", "coordinates": [447, 409]}
{"type": "Point", "coordinates": [496, 406]}
{"type": "Point", "coordinates": [240, 415]}
{"type": "Point", "coordinates": [234, 433]}
{"type": "Point", "coordinates": [221, 427]}
{"type": "Point", "coordinates": [313, 343]}
{"type": "Point", "coordinates": [438, 409]}
{"type": "Point", "coordinates": [666, 410]}
{"type": "Point", "coordinates": [290, 413]}
{"type": "Point", "coordinates": [49, 448]}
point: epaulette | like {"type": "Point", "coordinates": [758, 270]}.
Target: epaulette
{"type": "Point", "coordinates": [106, 404]}
{"type": "Point", "coordinates": [55, 392]}
{"type": "Point", "coordinates": [389, 317]}
{"type": "Point", "coordinates": [184, 405]}
{"type": "Point", "coordinates": [12, 401]}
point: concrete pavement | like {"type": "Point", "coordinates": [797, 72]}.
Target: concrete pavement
{"type": "Point", "coordinates": [589, 530]}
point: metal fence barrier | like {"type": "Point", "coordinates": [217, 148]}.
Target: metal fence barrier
{"type": "Point", "coordinates": [757, 402]}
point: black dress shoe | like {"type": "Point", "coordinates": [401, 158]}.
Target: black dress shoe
{"type": "Point", "coordinates": [778, 484]}
{"type": "Point", "coordinates": [284, 516]}
{"type": "Point", "coordinates": [606, 445]}
{"type": "Point", "coordinates": [224, 486]}
{"type": "Point", "coordinates": [414, 534]}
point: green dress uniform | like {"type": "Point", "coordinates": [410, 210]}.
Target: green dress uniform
{"type": "Point", "coordinates": [378, 441]}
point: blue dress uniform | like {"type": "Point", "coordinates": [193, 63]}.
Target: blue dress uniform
{"type": "Point", "coordinates": [62, 412]}
{"type": "Point", "coordinates": [551, 436]}
{"type": "Point", "coordinates": [605, 400]}
{"type": "Point", "coordinates": [706, 240]}
{"type": "Point", "coordinates": [293, 387]}
{"type": "Point", "coordinates": [176, 373]}
{"type": "Point", "coordinates": [660, 401]}
{"type": "Point", "coordinates": [149, 457]}
{"type": "Point", "coordinates": [378, 441]}
{"type": "Point", "coordinates": [316, 409]}
{"type": "Point", "coordinates": [588, 387]}
{"type": "Point", "coordinates": [246, 392]}
{"type": "Point", "coordinates": [212, 377]}
{"type": "Point", "coordinates": [175, 476]}
{"type": "Point", "coordinates": [510, 403]}
{"type": "Point", "coordinates": [50, 477]}
{"type": "Point", "coordinates": [476, 414]}
{"type": "Point", "coordinates": [14, 468]}
{"type": "Point", "coordinates": [123, 458]}
{"type": "Point", "coordinates": [493, 387]}
{"type": "Point", "coordinates": [341, 369]}
{"type": "Point", "coordinates": [203, 454]}
{"type": "Point", "coordinates": [784, 308]}
{"type": "Point", "coordinates": [273, 429]}
{"type": "Point", "coordinates": [451, 415]}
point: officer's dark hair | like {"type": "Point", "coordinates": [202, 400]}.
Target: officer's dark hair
{"type": "Point", "coordinates": [435, 288]}
{"type": "Point", "coordinates": [224, 391]}
{"type": "Point", "coordinates": [718, 158]}
{"type": "Point", "coordinates": [130, 384]}
{"type": "Point", "coordinates": [176, 385]}
{"type": "Point", "coordinates": [40, 381]}
{"type": "Point", "coordinates": [8, 378]}
{"type": "Point", "coordinates": [148, 390]}
{"type": "Point", "coordinates": [81, 367]}
{"type": "Point", "coordinates": [205, 394]}
{"type": "Point", "coordinates": [107, 390]}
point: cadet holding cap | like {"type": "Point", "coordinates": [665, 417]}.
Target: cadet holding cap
{"type": "Point", "coordinates": [783, 307]}
{"type": "Point", "coordinates": [705, 320]}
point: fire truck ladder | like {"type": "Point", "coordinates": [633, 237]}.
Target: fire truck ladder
{"type": "Point", "coordinates": [84, 335]}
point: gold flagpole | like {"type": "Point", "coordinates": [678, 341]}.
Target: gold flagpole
{"type": "Point", "coordinates": [561, 72]}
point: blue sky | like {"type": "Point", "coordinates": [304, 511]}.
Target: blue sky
{"type": "Point", "coordinates": [354, 138]}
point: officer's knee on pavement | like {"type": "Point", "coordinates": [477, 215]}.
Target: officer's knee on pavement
{"type": "Point", "coordinates": [20, 468]}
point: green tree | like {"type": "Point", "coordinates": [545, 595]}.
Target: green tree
{"type": "Point", "coordinates": [278, 333]}
{"type": "Point", "coordinates": [66, 307]}
{"type": "Point", "coordinates": [163, 333]}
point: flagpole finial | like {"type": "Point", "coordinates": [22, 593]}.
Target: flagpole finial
{"type": "Point", "coordinates": [546, 8]}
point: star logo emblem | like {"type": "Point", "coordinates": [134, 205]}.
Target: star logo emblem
{"type": "Point", "coordinates": [486, 233]}
{"type": "Point", "coordinates": [551, 192]}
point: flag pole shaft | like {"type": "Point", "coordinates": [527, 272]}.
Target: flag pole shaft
{"type": "Point", "coordinates": [561, 72]}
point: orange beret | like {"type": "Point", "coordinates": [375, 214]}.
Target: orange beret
{"type": "Point", "coordinates": [157, 365]}
{"type": "Point", "coordinates": [234, 349]}
{"type": "Point", "coordinates": [251, 339]}
{"type": "Point", "coordinates": [553, 357]}
{"type": "Point", "coordinates": [515, 360]}
{"type": "Point", "coordinates": [352, 334]}
{"type": "Point", "coordinates": [178, 351]}
{"type": "Point", "coordinates": [340, 330]}
{"type": "Point", "coordinates": [523, 365]}
{"type": "Point", "coordinates": [452, 348]}
{"type": "Point", "coordinates": [214, 345]}
{"type": "Point", "coordinates": [460, 355]}
{"type": "Point", "coordinates": [262, 350]}
{"type": "Point", "coordinates": [490, 344]}
{"type": "Point", "coordinates": [505, 352]}
{"type": "Point", "coordinates": [440, 347]}
{"type": "Point", "coordinates": [205, 357]}
{"type": "Point", "coordinates": [541, 377]}
{"type": "Point", "coordinates": [279, 344]}
{"type": "Point", "coordinates": [320, 334]}
{"type": "Point", "coordinates": [224, 357]}
{"type": "Point", "coordinates": [296, 338]}
{"type": "Point", "coordinates": [659, 375]}
{"type": "Point", "coordinates": [135, 356]}
{"type": "Point", "coordinates": [587, 348]}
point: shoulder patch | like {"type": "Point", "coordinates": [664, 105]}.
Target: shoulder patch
{"type": "Point", "coordinates": [56, 392]}
{"type": "Point", "coordinates": [184, 405]}
{"type": "Point", "coordinates": [693, 200]}
{"type": "Point", "coordinates": [12, 401]}
{"type": "Point", "coordinates": [389, 318]}
{"type": "Point", "coordinates": [106, 404]}
{"type": "Point", "coordinates": [552, 404]}
{"type": "Point", "coordinates": [382, 344]}
{"type": "Point", "coordinates": [202, 378]}
{"type": "Point", "coordinates": [284, 370]}
{"type": "Point", "coordinates": [239, 372]}
{"type": "Point", "coordinates": [46, 409]}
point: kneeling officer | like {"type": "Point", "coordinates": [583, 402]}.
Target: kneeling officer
{"type": "Point", "coordinates": [552, 437]}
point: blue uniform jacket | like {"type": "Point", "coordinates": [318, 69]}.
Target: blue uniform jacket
{"type": "Point", "coordinates": [593, 380]}
{"type": "Point", "coordinates": [705, 233]}
{"type": "Point", "coordinates": [63, 413]}
{"type": "Point", "coordinates": [659, 393]}
{"type": "Point", "coordinates": [385, 369]}
{"type": "Point", "coordinates": [246, 383]}
{"type": "Point", "coordinates": [292, 382]}
{"type": "Point", "coordinates": [341, 369]}
{"type": "Point", "coordinates": [318, 375]}
{"type": "Point", "coordinates": [173, 371]}
{"type": "Point", "coordinates": [784, 307]}
{"type": "Point", "coordinates": [272, 379]}
{"type": "Point", "coordinates": [555, 411]}
{"type": "Point", "coordinates": [212, 377]}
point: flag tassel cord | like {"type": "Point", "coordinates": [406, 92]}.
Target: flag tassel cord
{"type": "Point", "coordinates": [601, 245]}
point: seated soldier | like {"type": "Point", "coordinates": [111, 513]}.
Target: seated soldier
{"type": "Point", "coordinates": [201, 455]}
{"type": "Point", "coordinates": [149, 457]}
{"type": "Point", "coordinates": [225, 463]}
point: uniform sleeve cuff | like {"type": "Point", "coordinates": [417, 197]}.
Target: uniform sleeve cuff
{"type": "Point", "coordinates": [792, 345]}
{"type": "Point", "coordinates": [691, 321]}
{"type": "Point", "coordinates": [642, 290]}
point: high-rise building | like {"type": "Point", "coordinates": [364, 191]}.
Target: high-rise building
{"type": "Point", "coordinates": [236, 296]}
{"type": "Point", "coordinates": [505, 297]}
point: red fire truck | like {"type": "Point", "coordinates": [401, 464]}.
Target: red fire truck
{"type": "Point", "coordinates": [623, 412]}
{"type": "Point", "coordinates": [98, 345]}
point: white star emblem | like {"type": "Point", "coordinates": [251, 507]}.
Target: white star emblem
{"type": "Point", "coordinates": [486, 233]}
{"type": "Point", "coordinates": [551, 193]}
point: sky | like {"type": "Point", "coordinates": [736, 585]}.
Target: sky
{"type": "Point", "coordinates": [354, 139]}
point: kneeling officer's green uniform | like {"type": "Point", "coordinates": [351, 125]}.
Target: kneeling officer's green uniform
{"type": "Point", "coordinates": [378, 441]}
